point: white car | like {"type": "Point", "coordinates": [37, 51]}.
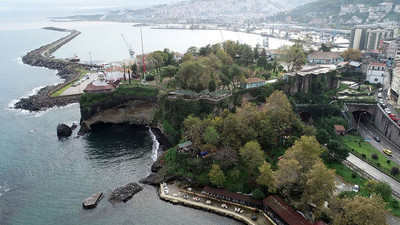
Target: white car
{"type": "Point", "coordinates": [356, 188]}
{"type": "Point", "coordinates": [379, 95]}
{"type": "Point", "coordinates": [387, 110]}
{"type": "Point", "coordinates": [381, 101]}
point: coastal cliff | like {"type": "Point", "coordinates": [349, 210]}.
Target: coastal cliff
{"type": "Point", "coordinates": [138, 112]}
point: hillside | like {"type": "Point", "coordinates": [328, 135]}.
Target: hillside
{"type": "Point", "coordinates": [325, 12]}
{"type": "Point", "coordinates": [203, 11]}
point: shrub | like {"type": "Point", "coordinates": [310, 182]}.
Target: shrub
{"type": "Point", "coordinates": [378, 164]}
{"type": "Point", "coordinates": [374, 156]}
{"type": "Point", "coordinates": [395, 204]}
{"type": "Point", "coordinates": [150, 77]}
{"type": "Point", "coordinates": [258, 194]}
{"type": "Point", "coordinates": [363, 156]}
{"type": "Point", "coordinates": [388, 161]}
{"type": "Point", "coordinates": [394, 170]}
{"type": "Point", "coordinates": [354, 175]}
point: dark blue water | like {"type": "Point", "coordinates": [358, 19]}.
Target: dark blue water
{"type": "Point", "coordinates": [44, 180]}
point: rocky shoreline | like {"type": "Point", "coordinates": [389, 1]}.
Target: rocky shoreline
{"type": "Point", "coordinates": [67, 70]}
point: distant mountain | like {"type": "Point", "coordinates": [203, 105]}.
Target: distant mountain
{"type": "Point", "coordinates": [200, 11]}
{"type": "Point", "coordinates": [341, 11]}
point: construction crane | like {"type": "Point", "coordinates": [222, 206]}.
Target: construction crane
{"type": "Point", "coordinates": [131, 52]}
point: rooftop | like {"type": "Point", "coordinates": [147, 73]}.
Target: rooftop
{"type": "Point", "coordinates": [377, 64]}
{"type": "Point", "coordinates": [325, 55]}
{"type": "Point", "coordinates": [339, 128]}
{"type": "Point", "coordinates": [94, 88]}
{"type": "Point", "coordinates": [232, 195]}
{"type": "Point", "coordinates": [287, 213]}
{"type": "Point", "coordinates": [254, 80]}
{"type": "Point", "coordinates": [185, 144]}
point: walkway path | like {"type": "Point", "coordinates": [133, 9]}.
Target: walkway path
{"type": "Point", "coordinates": [213, 207]}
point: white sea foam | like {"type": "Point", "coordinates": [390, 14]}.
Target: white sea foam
{"type": "Point", "coordinates": [156, 145]}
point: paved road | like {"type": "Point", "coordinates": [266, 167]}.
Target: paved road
{"type": "Point", "coordinates": [368, 130]}
{"type": "Point", "coordinates": [374, 172]}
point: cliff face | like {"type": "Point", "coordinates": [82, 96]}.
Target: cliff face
{"type": "Point", "coordinates": [139, 112]}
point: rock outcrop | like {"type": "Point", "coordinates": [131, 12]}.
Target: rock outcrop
{"type": "Point", "coordinates": [63, 131]}
{"type": "Point", "coordinates": [124, 193]}
{"type": "Point", "coordinates": [138, 112]}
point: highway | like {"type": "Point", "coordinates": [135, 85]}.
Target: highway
{"type": "Point", "coordinates": [368, 130]}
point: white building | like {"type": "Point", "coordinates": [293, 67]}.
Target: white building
{"type": "Point", "coordinates": [376, 73]}
{"type": "Point", "coordinates": [396, 84]}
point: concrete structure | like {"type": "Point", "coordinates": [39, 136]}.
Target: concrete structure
{"type": "Point", "coordinates": [376, 115]}
{"type": "Point", "coordinates": [368, 37]}
{"type": "Point", "coordinates": [392, 50]}
{"type": "Point", "coordinates": [253, 82]}
{"type": "Point", "coordinates": [281, 213]}
{"type": "Point", "coordinates": [301, 81]}
{"type": "Point", "coordinates": [376, 73]}
{"type": "Point", "coordinates": [325, 58]}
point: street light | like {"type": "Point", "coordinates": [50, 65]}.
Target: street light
{"type": "Point", "coordinates": [359, 118]}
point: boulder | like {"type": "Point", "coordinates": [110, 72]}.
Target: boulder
{"type": "Point", "coordinates": [123, 194]}
{"type": "Point", "coordinates": [63, 130]}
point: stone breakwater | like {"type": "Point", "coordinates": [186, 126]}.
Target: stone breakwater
{"type": "Point", "coordinates": [67, 70]}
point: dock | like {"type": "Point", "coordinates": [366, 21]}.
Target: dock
{"type": "Point", "coordinates": [92, 201]}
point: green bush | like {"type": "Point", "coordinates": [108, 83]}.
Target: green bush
{"type": "Point", "coordinates": [394, 170]}
{"type": "Point", "coordinates": [258, 194]}
{"type": "Point", "coordinates": [374, 156]}
{"type": "Point", "coordinates": [150, 77]}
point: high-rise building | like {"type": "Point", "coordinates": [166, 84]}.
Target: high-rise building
{"type": "Point", "coordinates": [368, 37]}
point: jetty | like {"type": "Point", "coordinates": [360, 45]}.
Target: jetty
{"type": "Point", "coordinates": [92, 201]}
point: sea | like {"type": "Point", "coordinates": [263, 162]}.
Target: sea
{"type": "Point", "coordinates": [43, 180]}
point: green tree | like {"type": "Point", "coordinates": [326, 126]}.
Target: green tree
{"type": "Point", "coordinates": [191, 75]}
{"type": "Point", "coordinates": [169, 71]}
{"type": "Point", "coordinates": [262, 62]}
{"type": "Point", "coordinates": [266, 177]}
{"type": "Point", "coordinates": [205, 51]}
{"type": "Point", "coordinates": [323, 136]}
{"type": "Point", "coordinates": [252, 155]}
{"type": "Point", "coordinates": [287, 176]}
{"type": "Point", "coordinates": [216, 176]}
{"type": "Point", "coordinates": [324, 48]}
{"type": "Point", "coordinates": [245, 55]}
{"type": "Point", "coordinates": [157, 59]}
{"type": "Point", "coordinates": [384, 190]}
{"type": "Point", "coordinates": [258, 194]}
{"type": "Point", "coordinates": [212, 85]}
{"type": "Point", "coordinates": [352, 54]}
{"type": "Point", "coordinates": [359, 211]}
{"type": "Point", "coordinates": [293, 56]}
{"type": "Point", "coordinates": [370, 185]}
{"type": "Point", "coordinates": [338, 150]}
{"type": "Point", "coordinates": [256, 53]}
{"type": "Point", "coordinates": [320, 185]}
{"type": "Point", "coordinates": [211, 136]}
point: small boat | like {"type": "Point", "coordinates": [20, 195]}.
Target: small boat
{"type": "Point", "coordinates": [74, 59]}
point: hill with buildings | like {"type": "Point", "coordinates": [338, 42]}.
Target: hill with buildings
{"type": "Point", "coordinates": [342, 12]}
{"type": "Point", "coordinates": [200, 11]}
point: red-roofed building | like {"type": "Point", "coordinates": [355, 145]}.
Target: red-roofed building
{"type": "Point", "coordinates": [339, 129]}
{"type": "Point", "coordinates": [91, 88]}
{"type": "Point", "coordinates": [253, 82]}
{"type": "Point", "coordinates": [281, 213]}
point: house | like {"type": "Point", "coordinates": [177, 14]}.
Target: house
{"type": "Point", "coordinates": [325, 58]}
{"type": "Point", "coordinates": [185, 147]}
{"type": "Point", "coordinates": [376, 73]}
{"type": "Point", "coordinates": [281, 213]}
{"type": "Point", "coordinates": [273, 53]}
{"type": "Point", "coordinates": [339, 129]}
{"type": "Point", "coordinates": [92, 88]}
{"type": "Point", "coordinates": [253, 82]}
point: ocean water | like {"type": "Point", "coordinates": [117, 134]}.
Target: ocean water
{"type": "Point", "coordinates": [44, 180]}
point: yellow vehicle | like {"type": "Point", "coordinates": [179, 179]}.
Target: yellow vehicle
{"type": "Point", "coordinates": [387, 151]}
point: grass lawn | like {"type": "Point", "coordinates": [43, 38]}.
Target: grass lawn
{"type": "Point", "coordinates": [61, 90]}
{"type": "Point", "coordinates": [362, 147]}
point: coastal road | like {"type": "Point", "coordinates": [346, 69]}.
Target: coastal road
{"type": "Point", "coordinates": [375, 173]}
{"type": "Point", "coordinates": [80, 87]}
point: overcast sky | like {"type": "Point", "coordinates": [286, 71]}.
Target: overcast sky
{"type": "Point", "coordinates": [65, 6]}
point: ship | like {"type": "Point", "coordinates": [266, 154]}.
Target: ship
{"type": "Point", "coordinates": [74, 59]}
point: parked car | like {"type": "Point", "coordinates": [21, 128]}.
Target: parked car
{"type": "Point", "coordinates": [387, 110]}
{"type": "Point", "coordinates": [383, 105]}
{"type": "Point", "coordinates": [380, 89]}
{"type": "Point", "coordinates": [381, 101]}
{"type": "Point", "coordinates": [377, 139]}
{"type": "Point", "coordinates": [379, 95]}
{"type": "Point", "coordinates": [387, 151]}
{"type": "Point", "coordinates": [356, 188]}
